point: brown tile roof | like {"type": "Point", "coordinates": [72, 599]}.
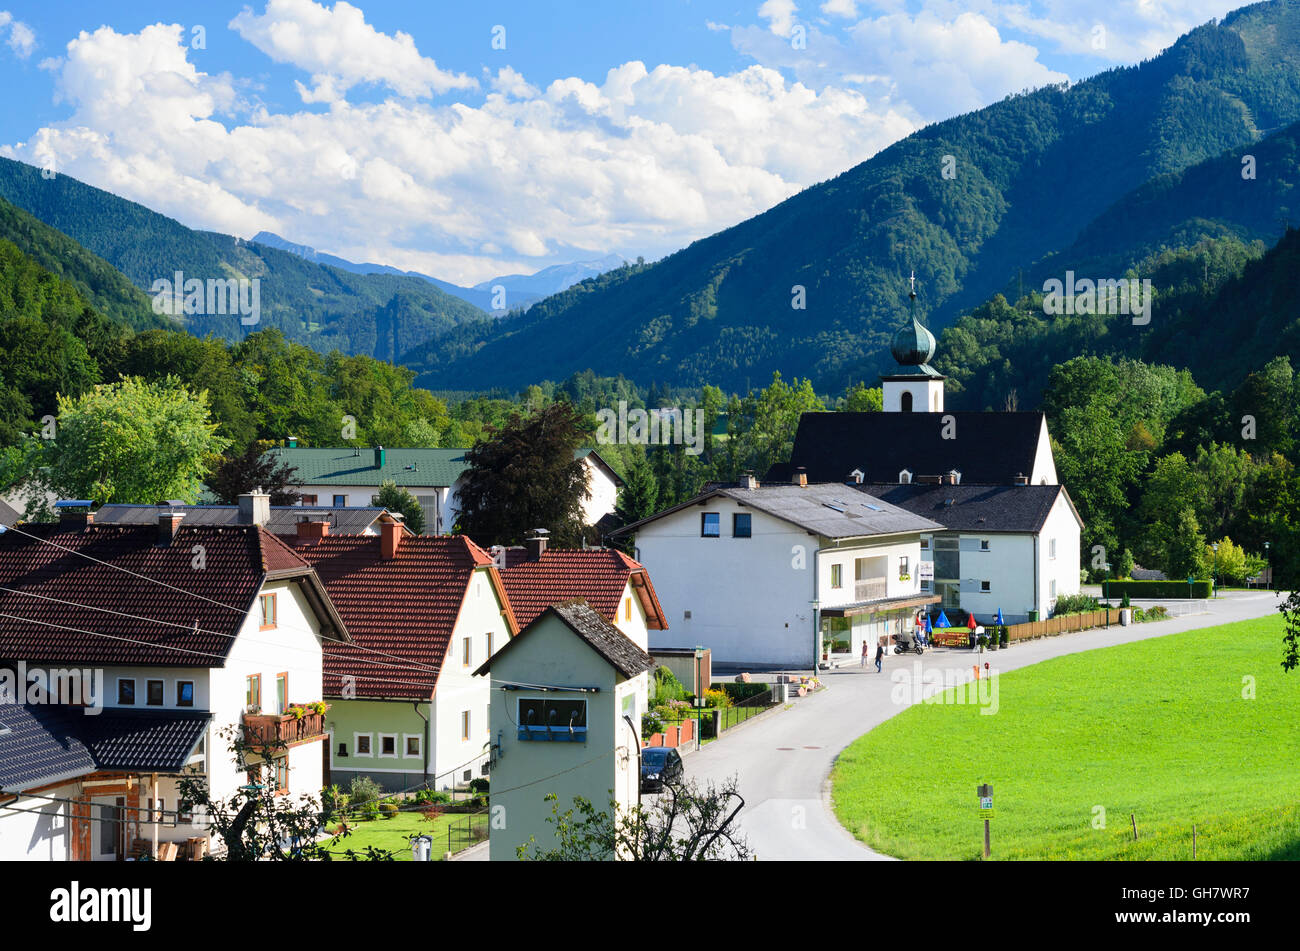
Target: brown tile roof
{"type": "Point", "coordinates": [406, 607]}
{"type": "Point", "coordinates": [597, 575]}
{"type": "Point", "coordinates": [60, 586]}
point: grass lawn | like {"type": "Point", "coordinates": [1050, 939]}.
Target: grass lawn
{"type": "Point", "coordinates": [392, 834]}
{"type": "Point", "coordinates": [1159, 728]}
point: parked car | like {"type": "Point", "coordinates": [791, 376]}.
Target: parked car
{"type": "Point", "coordinates": [659, 765]}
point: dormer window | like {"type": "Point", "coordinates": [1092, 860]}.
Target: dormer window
{"type": "Point", "coordinates": [954, 476]}
{"type": "Point", "coordinates": [857, 475]}
{"type": "Point", "coordinates": [905, 477]}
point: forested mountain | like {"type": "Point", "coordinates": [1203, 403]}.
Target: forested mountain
{"type": "Point", "coordinates": [323, 307]}
{"type": "Point", "coordinates": [1028, 176]}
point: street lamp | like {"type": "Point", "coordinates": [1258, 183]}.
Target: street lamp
{"type": "Point", "coordinates": [1216, 569]}
{"type": "Point", "coordinates": [1105, 589]}
{"type": "Point", "coordinates": [1268, 565]}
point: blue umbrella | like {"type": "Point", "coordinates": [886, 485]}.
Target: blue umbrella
{"type": "Point", "coordinates": [943, 620]}
{"type": "Point", "coordinates": [928, 629]}
{"type": "Point", "coordinates": [1000, 621]}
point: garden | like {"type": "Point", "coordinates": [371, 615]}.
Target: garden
{"type": "Point", "coordinates": [387, 823]}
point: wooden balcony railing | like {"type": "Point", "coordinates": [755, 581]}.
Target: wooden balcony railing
{"type": "Point", "coordinates": [265, 729]}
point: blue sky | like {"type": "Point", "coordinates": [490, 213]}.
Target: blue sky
{"type": "Point", "coordinates": [396, 132]}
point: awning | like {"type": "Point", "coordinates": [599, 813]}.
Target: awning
{"type": "Point", "coordinates": [882, 606]}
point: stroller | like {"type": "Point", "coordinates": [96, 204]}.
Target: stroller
{"type": "Point", "coordinates": [907, 644]}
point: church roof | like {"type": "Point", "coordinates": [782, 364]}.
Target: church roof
{"type": "Point", "coordinates": [974, 508]}
{"type": "Point", "coordinates": [987, 447]}
{"type": "Point", "coordinates": [913, 345]}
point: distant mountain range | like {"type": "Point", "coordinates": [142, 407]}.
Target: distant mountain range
{"type": "Point", "coordinates": [521, 290]}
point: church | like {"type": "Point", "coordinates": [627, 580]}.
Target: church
{"type": "Point", "coordinates": [1011, 538]}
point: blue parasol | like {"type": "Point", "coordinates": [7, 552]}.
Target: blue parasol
{"type": "Point", "coordinates": [942, 621]}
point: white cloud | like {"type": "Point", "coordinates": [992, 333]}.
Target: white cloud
{"type": "Point", "coordinates": [21, 38]}
{"type": "Point", "coordinates": [341, 50]}
{"type": "Point", "coordinates": [642, 162]}
{"type": "Point", "coordinates": [779, 15]}
{"type": "Point", "coordinates": [841, 8]}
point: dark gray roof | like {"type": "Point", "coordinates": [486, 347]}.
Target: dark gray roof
{"type": "Point", "coordinates": [834, 510]}
{"type": "Point", "coordinates": [988, 447]}
{"type": "Point", "coordinates": [973, 508]}
{"type": "Point", "coordinates": [283, 521]}
{"type": "Point", "coordinates": [604, 638]}
{"type": "Point", "coordinates": [40, 745]}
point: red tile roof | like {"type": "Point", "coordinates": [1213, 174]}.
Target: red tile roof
{"type": "Point", "coordinates": [406, 607]}
{"type": "Point", "coordinates": [596, 575]}
{"type": "Point", "coordinates": [58, 577]}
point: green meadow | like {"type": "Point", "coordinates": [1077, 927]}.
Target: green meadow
{"type": "Point", "coordinates": [1199, 728]}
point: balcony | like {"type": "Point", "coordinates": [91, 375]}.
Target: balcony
{"type": "Point", "coordinates": [870, 589]}
{"type": "Point", "coordinates": [283, 729]}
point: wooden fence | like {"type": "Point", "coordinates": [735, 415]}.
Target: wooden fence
{"type": "Point", "coordinates": [1059, 625]}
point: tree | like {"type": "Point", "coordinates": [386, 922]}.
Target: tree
{"type": "Point", "coordinates": [526, 475]}
{"type": "Point", "coordinates": [863, 399]}
{"type": "Point", "coordinates": [1290, 609]}
{"type": "Point", "coordinates": [252, 469]}
{"type": "Point", "coordinates": [687, 823]}
{"type": "Point", "coordinates": [133, 441]}
{"type": "Point", "coordinates": [639, 496]}
{"type": "Point", "coordinates": [396, 499]}
{"type": "Point", "coordinates": [1186, 558]}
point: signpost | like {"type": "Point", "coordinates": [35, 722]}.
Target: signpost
{"type": "Point", "coordinates": [985, 792]}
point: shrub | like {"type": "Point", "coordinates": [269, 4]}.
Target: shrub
{"type": "Point", "coordinates": [1159, 589]}
{"type": "Point", "coordinates": [1157, 612]}
{"type": "Point", "coordinates": [370, 810]}
{"type": "Point", "coordinates": [388, 810]}
{"type": "Point", "coordinates": [667, 686]}
{"type": "Point", "coordinates": [433, 796]}
{"type": "Point", "coordinates": [1124, 602]}
{"type": "Point", "coordinates": [651, 723]}
{"type": "Point", "coordinates": [363, 791]}
{"type": "Point", "coordinates": [1074, 604]}
{"type": "Point", "coordinates": [743, 691]}
{"type": "Point", "coordinates": [478, 785]}
{"type": "Point", "coordinates": [717, 697]}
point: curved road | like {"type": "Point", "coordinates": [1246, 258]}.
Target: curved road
{"type": "Point", "coordinates": [783, 760]}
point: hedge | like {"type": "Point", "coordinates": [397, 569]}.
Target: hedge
{"type": "Point", "coordinates": [741, 692]}
{"type": "Point", "coordinates": [1149, 590]}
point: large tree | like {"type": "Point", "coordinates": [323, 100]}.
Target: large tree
{"type": "Point", "coordinates": [526, 475]}
{"type": "Point", "coordinates": [133, 441]}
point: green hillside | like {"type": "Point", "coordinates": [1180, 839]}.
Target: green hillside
{"type": "Point", "coordinates": [1032, 172]}
{"type": "Point", "coordinates": [323, 307]}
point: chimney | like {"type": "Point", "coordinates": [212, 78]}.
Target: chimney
{"type": "Point", "coordinates": [254, 507]}
{"type": "Point", "coordinates": [800, 477]}
{"type": "Point", "coordinates": [170, 516]}
{"type": "Point", "coordinates": [390, 538]}
{"type": "Point", "coordinates": [379, 457]}
{"type": "Point", "coordinates": [1021, 479]}
{"type": "Point", "coordinates": [747, 481]}
{"type": "Point", "coordinates": [309, 530]}
{"type": "Point", "coordinates": [75, 513]}
{"type": "Point", "coordinates": [536, 545]}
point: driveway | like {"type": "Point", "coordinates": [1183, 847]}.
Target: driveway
{"type": "Point", "coordinates": [783, 760]}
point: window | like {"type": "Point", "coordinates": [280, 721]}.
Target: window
{"type": "Point", "coordinates": [1051, 548]}
{"type": "Point", "coordinates": [387, 744]}
{"type": "Point", "coordinates": [556, 720]}
{"type": "Point", "coordinates": [184, 693]}
{"type": "Point", "coordinates": [905, 402]}
{"type": "Point", "coordinates": [362, 743]}
{"type": "Point", "coordinates": [903, 573]}
{"type": "Point", "coordinates": [184, 814]}
{"type": "Point", "coordinates": [268, 611]}
{"type": "Point", "coordinates": [343, 750]}
{"type": "Point", "coordinates": [307, 500]}
{"type": "Point", "coordinates": [153, 693]}
{"type": "Point", "coordinates": [742, 525]}
{"type": "Point", "coordinates": [253, 692]}
{"type": "Point", "coordinates": [837, 576]}
{"type": "Point", "coordinates": [465, 651]}
{"type": "Point", "coordinates": [984, 544]}
{"type": "Point", "coordinates": [464, 725]}
{"type": "Point", "coordinates": [627, 609]}
{"type": "Point", "coordinates": [489, 643]}
{"type": "Point", "coordinates": [985, 586]}
{"type": "Point", "coordinates": [126, 693]}
{"type": "Point", "coordinates": [281, 692]}
{"type": "Point", "coordinates": [710, 525]}
{"type": "Point", "coordinates": [1051, 588]}
{"type": "Point", "coordinates": [340, 501]}
{"type": "Point", "coordinates": [925, 544]}
{"type": "Point", "coordinates": [413, 744]}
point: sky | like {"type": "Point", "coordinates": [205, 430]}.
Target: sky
{"type": "Point", "coordinates": [468, 140]}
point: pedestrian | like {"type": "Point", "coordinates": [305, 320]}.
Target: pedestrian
{"type": "Point", "coordinates": [866, 651]}
{"type": "Point", "coordinates": [880, 653]}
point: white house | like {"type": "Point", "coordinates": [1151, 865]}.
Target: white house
{"type": "Point", "coordinates": [423, 611]}
{"type": "Point", "coordinates": [181, 633]}
{"type": "Point", "coordinates": [771, 576]}
{"type": "Point", "coordinates": [1013, 548]}
{"type": "Point", "coordinates": [567, 697]}
{"type": "Point", "coordinates": [352, 476]}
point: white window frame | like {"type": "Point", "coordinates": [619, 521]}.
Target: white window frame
{"type": "Point", "coordinates": [356, 744]}
{"type": "Point", "coordinates": [419, 746]}
{"type": "Point", "coordinates": [1051, 549]}
{"type": "Point", "coordinates": [380, 751]}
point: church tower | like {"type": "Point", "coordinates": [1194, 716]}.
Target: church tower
{"type": "Point", "coordinates": [915, 387]}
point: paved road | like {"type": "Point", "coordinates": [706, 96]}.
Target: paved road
{"type": "Point", "coordinates": [783, 760]}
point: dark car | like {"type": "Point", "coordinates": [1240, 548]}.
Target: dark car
{"type": "Point", "coordinates": [659, 765]}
